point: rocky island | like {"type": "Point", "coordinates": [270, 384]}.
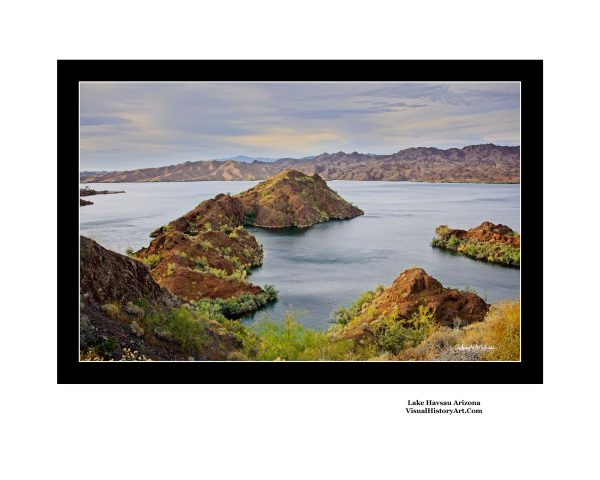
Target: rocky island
{"type": "Point", "coordinates": [487, 242]}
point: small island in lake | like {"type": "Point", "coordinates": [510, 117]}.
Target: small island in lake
{"type": "Point", "coordinates": [87, 191]}
{"type": "Point", "coordinates": [487, 242]}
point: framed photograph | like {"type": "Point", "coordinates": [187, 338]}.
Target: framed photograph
{"type": "Point", "coordinates": [300, 221]}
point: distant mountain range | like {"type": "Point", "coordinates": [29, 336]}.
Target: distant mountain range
{"type": "Point", "coordinates": [487, 163]}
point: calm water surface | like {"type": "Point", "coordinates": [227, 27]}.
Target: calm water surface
{"type": "Point", "coordinates": [328, 265]}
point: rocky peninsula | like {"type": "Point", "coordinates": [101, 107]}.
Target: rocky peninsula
{"type": "Point", "coordinates": [207, 253]}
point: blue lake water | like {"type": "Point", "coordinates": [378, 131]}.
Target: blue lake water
{"type": "Point", "coordinates": [320, 268]}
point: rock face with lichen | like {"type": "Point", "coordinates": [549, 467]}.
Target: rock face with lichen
{"type": "Point", "coordinates": [293, 199]}
{"type": "Point", "coordinates": [412, 289]}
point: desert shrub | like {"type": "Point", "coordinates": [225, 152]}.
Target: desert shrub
{"type": "Point", "coordinates": [129, 251]}
{"type": "Point", "coordinates": [111, 309]}
{"type": "Point", "coordinates": [201, 263]}
{"type": "Point", "coordinates": [151, 261]}
{"type": "Point", "coordinates": [137, 329]}
{"type": "Point", "coordinates": [206, 244]}
{"type": "Point", "coordinates": [185, 326]}
{"type": "Point", "coordinates": [235, 261]}
{"type": "Point", "coordinates": [343, 315]}
{"type": "Point", "coordinates": [171, 269]}
{"type": "Point", "coordinates": [289, 340]}
{"type": "Point", "coordinates": [133, 309]}
{"type": "Point", "coordinates": [208, 227]}
{"type": "Point", "coordinates": [396, 334]}
{"type": "Point", "coordinates": [236, 231]}
{"type": "Point", "coordinates": [181, 254]}
{"type": "Point", "coordinates": [453, 242]}
{"type": "Point", "coordinates": [217, 272]}
{"type": "Point", "coordinates": [108, 348]}
{"type": "Point", "coordinates": [238, 275]}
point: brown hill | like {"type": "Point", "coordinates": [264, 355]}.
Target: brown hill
{"type": "Point", "coordinates": [476, 163]}
{"type": "Point", "coordinates": [292, 198]}
{"type": "Point", "coordinates": [411, 289]}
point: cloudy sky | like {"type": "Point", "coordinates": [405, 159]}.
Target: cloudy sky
{"type": "Point", "coordinates": [135, 125]}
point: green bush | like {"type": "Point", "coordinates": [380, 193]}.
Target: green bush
{"type": "Point", "coordinates": [151, 261]}
{"type": "Point", "coordinates": [234, 307]}
{"type": "Point", "coordinates": [291, 341]}
{"type": "Point", "coordinates": [185, 326]}
{"type": "Point", "coordinates": [206, 244]}
{"type": "Point", "coordinates": [171, 269]}
{"type": "Point", "coordinates": [396, 334]}
{"type": "Point", "coordinates": [343, 315]}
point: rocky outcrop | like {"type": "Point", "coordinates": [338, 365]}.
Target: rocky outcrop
{"type": "Point", "coordinates": [118, 295]}
{"type": "Point", "coordinates": [486, 232]}
{"type": "Point", "coordinates": [411, 289]}
{"type": "Point", "coordinates": [487, 242]}
{"type": "Point", "coordinates": [292, 198]}
{"type": "Point", "coordinates": [106, 277]}
{"type": "Point", "coordinates": [207, 264]}
{"type": "Point", "coordinates": [83, 203]}
{"type": "Point", "coordinates": [475, 163]}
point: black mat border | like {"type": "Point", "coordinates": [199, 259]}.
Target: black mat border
{"type": "Point", "coordinates": [528, 72]}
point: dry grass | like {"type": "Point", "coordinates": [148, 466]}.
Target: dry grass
{"type": "Point", "coordinates": [496, 338]}
{"type": "Point", "coordinates": [501, 330]}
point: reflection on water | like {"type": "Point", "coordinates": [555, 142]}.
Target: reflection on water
{"type": "Point", "coordinates": [328, 265]}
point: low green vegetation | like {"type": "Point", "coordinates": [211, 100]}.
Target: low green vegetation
{"type": "Point", "coordinates": [493, 252]}
{"type": "Point", "coordinates": [343, 315]}
{"type": "Point", "coordinates": [236, 306]}
{"type": "Point", "coordinates": [289, 340]}
{"type": "Point", "coordinates": [206, 244]}
{"type": "Point", "coordinates": [418, 337]}
{"type": "Point", "coordinates": [396, 334]}
{"type": "Point", "coordinates": [150, 261]}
